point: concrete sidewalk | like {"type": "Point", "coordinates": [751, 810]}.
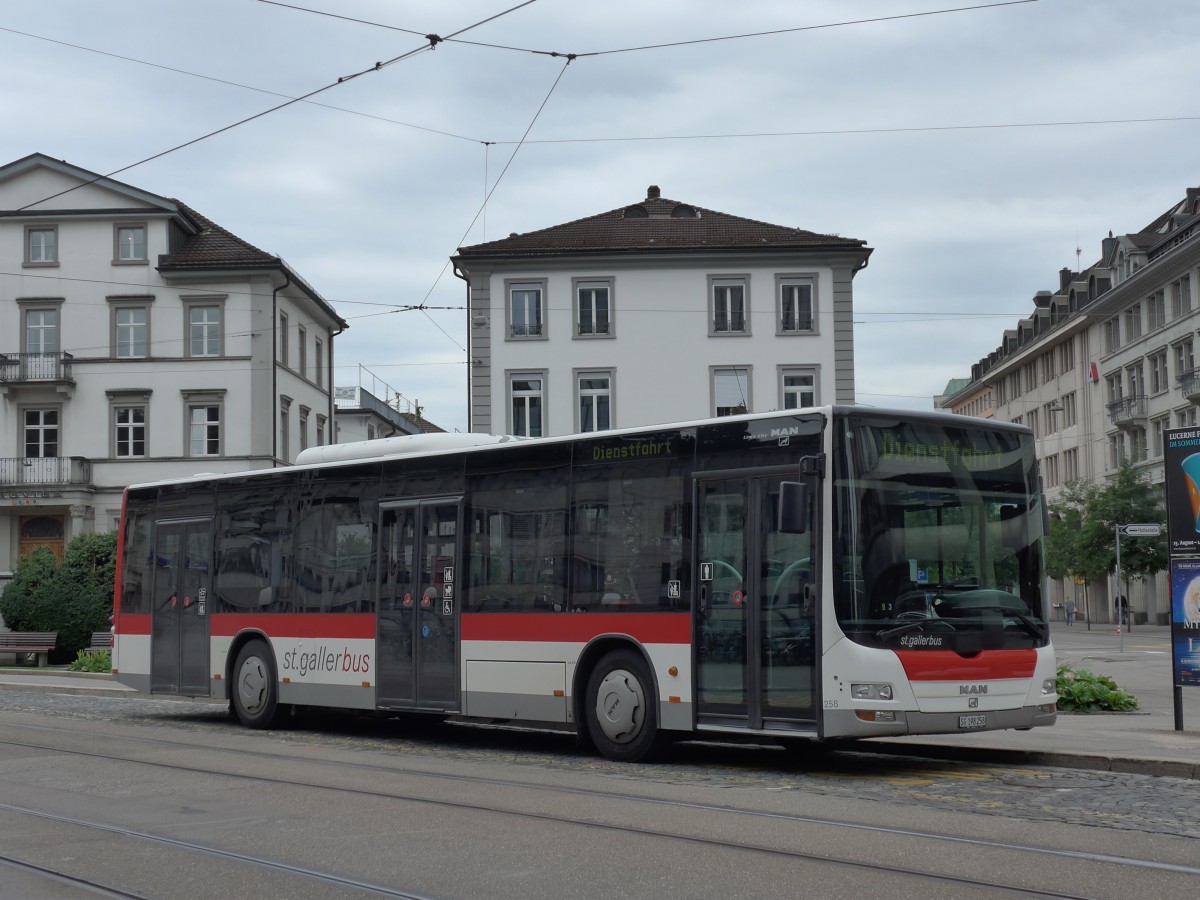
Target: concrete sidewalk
{"type": "Point", "coordinates": [1144, 741]}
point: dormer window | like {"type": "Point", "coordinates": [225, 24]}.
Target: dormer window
{"type": "Point", "coordinates": [636, 212]}
{"type": "Point", "coordinates": [683, 211]}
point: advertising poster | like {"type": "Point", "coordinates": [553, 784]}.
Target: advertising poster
{"type": "Point", "coordinates": [1181, 457]}
{"type": "Point", "coordinates": [1185, 620]}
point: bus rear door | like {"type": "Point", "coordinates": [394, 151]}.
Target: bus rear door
{"type": "Point", "coordinates": [417, 633]}
{"type": "Point", "coordinates": [179, 623]}
{"type": "Point", "coordinates": [755, 614]}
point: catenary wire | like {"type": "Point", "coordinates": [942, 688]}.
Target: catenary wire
{"type": "Point", "coordinates": [433, 41]}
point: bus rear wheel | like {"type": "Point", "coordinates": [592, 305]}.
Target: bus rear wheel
{"type": "Point", "coordinates": [622, 710]}
{"type": "Point", "coordinates": [255, 690]}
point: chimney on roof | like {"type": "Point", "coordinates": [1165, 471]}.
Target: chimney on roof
{"type": "Point", "coordinates": [653, 193]}
{"type": "Point", "coordinates": [1065, 277]}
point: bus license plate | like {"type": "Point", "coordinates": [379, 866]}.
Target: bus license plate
{"type": "Point", "coordinates": [972, 721]}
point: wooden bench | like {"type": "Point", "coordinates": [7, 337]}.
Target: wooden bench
{"type": "Point", "coordinates": [101, 640]}
{"type": "Point", "coordinates": [34, 645]}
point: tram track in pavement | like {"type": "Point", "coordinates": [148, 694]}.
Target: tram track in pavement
{"type": "Point", "coordinates": [686, 807]}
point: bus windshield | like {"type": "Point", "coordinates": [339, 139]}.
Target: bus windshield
{"type": "Point", "coordinates": [937, 536]}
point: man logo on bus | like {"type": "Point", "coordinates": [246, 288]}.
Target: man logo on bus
{"type": "Point", "coordinates": [972, 688]}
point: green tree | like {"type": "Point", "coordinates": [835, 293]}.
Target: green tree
{"type": "Point", "coordinates": [1063, 553]}
{"type": "Point", "coordinates": [1129, 498]}
{"type": "Point", "coordinates": [1082, 543]}
{"type": "Point", "coordinates": [74, 598]}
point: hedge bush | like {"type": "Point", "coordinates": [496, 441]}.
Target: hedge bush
{"type": "Point", "coordinates": [74, 598]}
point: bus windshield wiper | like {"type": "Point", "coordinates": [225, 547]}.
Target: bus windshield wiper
{"type": "Point", "coordinates": [1027, 623]}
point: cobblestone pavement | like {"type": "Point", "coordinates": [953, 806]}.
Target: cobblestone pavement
{"type": "Point", "coordinates": [1158, 805]}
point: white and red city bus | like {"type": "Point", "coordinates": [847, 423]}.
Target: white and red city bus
{"type": "Point", "coordinates": [835, 572]}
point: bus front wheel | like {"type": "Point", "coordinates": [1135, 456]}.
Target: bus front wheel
{"type": "Point", "coordinates": [255, 690]}
{"type": "Point", "coordinates": [622, 710]}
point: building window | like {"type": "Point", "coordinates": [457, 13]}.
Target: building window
{"type": "Point", "coordinates": [730, 391]}
{"type": "Point", "coordinates": [1160, 427]}
{"type": "Point", "coordinates": [796, 313]}
{"type": "Point", "coordinates": [41, 334]}
{"type": "Point", "coordinates": [1186, 418]}
{"type": "Point", "coordinates": [1181, 296]}
{"type": "Point", "coordinates": [1114, 451]}
{"type": "Point", "coordinates": [130, 244]}
{"type": "Point", "coordinates": [798, 388]}
{"type": "Point", "coordinates": [1138, 449]}
{"type": "Point", "coordinates": [1050, 470]}
{"type": "Point", "coordinates": [204, 330]}
{"type": "Point", "coordinates": [728, 306]}
{"type": "Point", "coordinates": [319, 362]}
{"type": "Point", "coordinates": [1047, 363]}
{"type": "Point", "coordinates": [40, 433]}
{"type": "Point", "coordinates": [1156, 311]}
{"type": "Point", "coordinates": [41, 245]}
{"type": "Point", "coordinates": [1158, 372]}
{"type": "Point", "coordinates": [285, 428]}
{"type": "Point", "coordinates": [1070, 411]}
{"type": "Point", "coordinates": [321, 420]}
{"type": "Point", "coordinates": [595, 400]}
{"type": "Point", "coordinates": [129, 431]}
{"type": "Point", "coordinates": [527, 399]}
{"type": "Point", "coordinates": [1133, 322]}
{"type": "Point", "coordinates": [593, 309]}
{"type": "Point", "coordinates": [302, 354]}
{"type": "Point", "coordinates": [284, 339]}
{"type": "Point", "coordinates": [1112, 335]}
{"type": "Point", "coordinates": [204, 411]}
{"type": "Point", "coordinates": [1137, 381]}
{"type": "Point", "coordinates": [304, 411]}
{"type": "Point", "coordinates": [1050, 416]}
{"type": "Point", "coordinates": [1185, 359]}
{"type": "Point", "coordinates": [1070, 464]}
{"type": "Point", "coordinates": [1066, 356]}
{"type": "Point", "coordinates": [526, 310]}
{"type": "Point", "coordinates": [131, 332]}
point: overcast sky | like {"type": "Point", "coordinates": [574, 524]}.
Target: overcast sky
{"type": "Point", "coordinates": [952, 142]}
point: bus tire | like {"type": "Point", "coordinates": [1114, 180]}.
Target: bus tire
{"type": "Point", "coordinates": [255, 695]}
{"type": "Point", "coordinates": [622, 708]}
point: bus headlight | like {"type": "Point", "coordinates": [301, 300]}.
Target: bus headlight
{"type": "Point", "coordinates": [1049, 686]}
{"type": "Point", "coordinates": [871, 691]}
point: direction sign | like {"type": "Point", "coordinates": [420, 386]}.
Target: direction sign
{"type": "Point", "coordinates": [1141, 530]}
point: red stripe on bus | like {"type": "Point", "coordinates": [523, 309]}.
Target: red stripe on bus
{"type": "Point", "coordinates": [133, 623]}
{"type": "Point", "coordinates": [946, 665]}
{"type": "Point", "coordinates": [649, 628]}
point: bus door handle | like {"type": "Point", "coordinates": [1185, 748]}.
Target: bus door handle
{"type": "Point", "coordinates": [704, 610]}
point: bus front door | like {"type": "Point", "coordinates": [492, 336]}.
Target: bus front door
{"type": "Point", "coordinates": [755, 612]}
{"type": "Point", "coordinates": [417, 634]}
{"type": "Point", "coordinates": [179, 623]}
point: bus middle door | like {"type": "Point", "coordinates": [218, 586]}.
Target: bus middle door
{"type": "Point", "coordinates": [755, 614]}
{"type": "Point", "coordinates": [179, 622]}
{"type": "Point", "coordinates": [417, 629]}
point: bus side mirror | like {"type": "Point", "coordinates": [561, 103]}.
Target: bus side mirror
{"type": "Point", "coordinates": [793, 507]}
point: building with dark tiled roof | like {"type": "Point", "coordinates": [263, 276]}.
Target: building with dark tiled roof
{"type": "Point", "coordinates": [1102, 368]}
{"type": "Point", "coordinates": [139, 340]}
{"type": "Point", "coordinates": [656, 311]}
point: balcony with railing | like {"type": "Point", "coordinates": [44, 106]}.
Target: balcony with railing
{"type": "Point", "coordinates": [1189, 384]}
{"type": "Point", "coordinates": [45, 470]}
{"type": "Point", "coordinates": [1128, 412]}
{"type": "Point", "coordinates": [26, 369]}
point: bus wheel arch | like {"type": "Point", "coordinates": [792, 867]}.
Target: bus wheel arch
{"type": "Point", "coordinates": [254, 683]}
{"type": "Point", "coordinates": [617, 710]}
